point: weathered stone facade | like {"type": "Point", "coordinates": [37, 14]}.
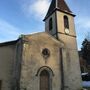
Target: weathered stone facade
{"type": "Point", "coordinates": [33, 60]}
{"type": "Point", "coordinates": [23, 61]}
{"type": "Point", "coordinates": [7, 55]}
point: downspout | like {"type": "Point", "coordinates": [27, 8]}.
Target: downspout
{"type": "Point", "coordinates": [56, 6]}
{"type": "Point", "coordinates": [21, 57]}
{"type": "Point", "coordinates": [19, 60]}
{"type": "Point", "coordinates": [62, 69]}
{"type": "Point", "coordinates": [56, 25]}
{"type": "Point", "coordinates": [20, 63]}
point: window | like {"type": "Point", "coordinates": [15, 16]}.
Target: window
{"type": "Point", "coordinates": [66, 22]}
{"type": "Point", "coordinates": [46, 53]}
{"type": "Point", "coordinates": [0, 84]}
{"type": "Point", "coordinates": [44, 80]}
{"type": "Point", "coordinates": [50, 24]}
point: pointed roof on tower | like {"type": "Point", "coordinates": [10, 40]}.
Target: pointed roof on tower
{"type": "Point", "coordinates": [58, 5]}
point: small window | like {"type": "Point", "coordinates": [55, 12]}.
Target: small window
{"type": "Point", "coordinates": [0, 84]}
{"type": "Point", "coordinates": [50, 24]}
{"type": "Point", "coordinates": [66, 22]}
{"type": "Point", "coordinates": [46, 53]}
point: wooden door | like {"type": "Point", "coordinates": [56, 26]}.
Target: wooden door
{"type": "Point", "coordinates": [44, 80]}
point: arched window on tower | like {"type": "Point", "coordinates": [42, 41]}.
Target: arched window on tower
{"type": "Point", "coordinates": [44, 80]}
{"type": "Point", "coordinates": [50, 24]}
{"type": "Point", "coordinates": [66, 22]}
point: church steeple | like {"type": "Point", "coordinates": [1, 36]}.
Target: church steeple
{"type": "Point", "coordinates": [59, 20]}
{"type": "Point", "coordinates": [59, 5]}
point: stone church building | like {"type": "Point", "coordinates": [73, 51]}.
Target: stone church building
{"type": "Point", "coordinates": [43, 61]}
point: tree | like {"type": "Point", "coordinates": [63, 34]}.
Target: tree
{"type": "Point", "coordinates": [86, 51]}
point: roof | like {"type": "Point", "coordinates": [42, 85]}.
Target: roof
{"type": "Point", "coordinates": [43, 36]}
{"type": "Point", "coordinates": [9, 43]}
{"type": "Point", "coordinates": [58, 5]}
{"type": "Point", "coordinates": [61, 4]}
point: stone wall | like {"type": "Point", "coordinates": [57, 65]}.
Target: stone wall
{"type": "Point", "coordinates": [33, 60]}
{"type": "Point", "coordinates": [7, 53]}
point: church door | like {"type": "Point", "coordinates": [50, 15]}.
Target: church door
{"type": "Point", "coordinates": [44, 80]}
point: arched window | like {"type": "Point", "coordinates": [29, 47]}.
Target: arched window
{"type": "Point", "coordinates": [66, 22]}
{"type": "Point", "coordinates": [50, 24]}
{"type": "Point", "coordinates": [44, 80]}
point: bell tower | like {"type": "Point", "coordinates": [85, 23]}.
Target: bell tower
{"type": "Point", "coordinates": [59, 22]}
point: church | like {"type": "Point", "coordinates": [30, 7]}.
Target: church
{"type": "Point", "coordinates": [43, 61]}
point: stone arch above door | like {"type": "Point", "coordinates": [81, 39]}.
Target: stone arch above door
{"type": "Point", "coordinates": [45, 68]}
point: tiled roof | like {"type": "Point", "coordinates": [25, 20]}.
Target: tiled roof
{"type": "Point", "coordinates": [60, 5]}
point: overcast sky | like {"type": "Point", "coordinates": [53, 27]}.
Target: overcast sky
{"type": "Point", "coordinates": [25, 16]}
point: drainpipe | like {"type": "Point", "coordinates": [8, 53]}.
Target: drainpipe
{"type": "Point", "coordinates": [62, 69]}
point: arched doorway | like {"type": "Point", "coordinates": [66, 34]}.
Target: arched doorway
{"type": "Point", "coordinates": [44, 80]}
